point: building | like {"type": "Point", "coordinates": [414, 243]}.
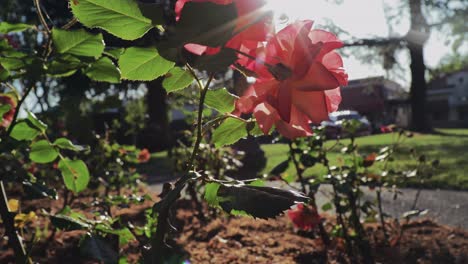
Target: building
{"type": "Point", "coordinates": [382, 101]}
{"type": "Point", "coordinates": [447, 100]}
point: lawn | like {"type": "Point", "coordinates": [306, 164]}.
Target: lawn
{"type": "Point", "coordinates": [450, 146]}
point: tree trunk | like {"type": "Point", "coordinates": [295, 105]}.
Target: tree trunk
{"type": "Point", "coordinates": [419, 119]}
{"type": "Point", "coordinates": [417, 37]}
{"type": "Point", "coordinates": [157, 135]}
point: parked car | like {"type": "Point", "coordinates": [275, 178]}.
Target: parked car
{"type": "Point", "coordinates": [334, 126]}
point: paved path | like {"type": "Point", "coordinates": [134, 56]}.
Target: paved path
{"type": "Point", "coordinates": [444, 206]}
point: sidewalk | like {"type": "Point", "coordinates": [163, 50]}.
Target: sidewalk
{"type": "Point", "coordinates": [444, 206]}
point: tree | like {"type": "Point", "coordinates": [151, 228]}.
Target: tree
{"type": "Point", "coordinates": [449, 13]}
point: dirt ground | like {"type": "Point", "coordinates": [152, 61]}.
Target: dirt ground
{"type": "Point", "coordinates": [226, 239]}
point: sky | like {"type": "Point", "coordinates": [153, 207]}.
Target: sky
{"type": "Point", "coordinates": [362, 19]}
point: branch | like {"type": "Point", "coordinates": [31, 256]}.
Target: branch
{"type": "Point", "coordinates": [376, 42]}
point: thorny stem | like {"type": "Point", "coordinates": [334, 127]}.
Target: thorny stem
{"type": "Point", "coordinates": [363, 243]}
{"type": "Point", "coordinates": [41, 16]}
{"type": "Point", "coordinates": [299, 172]}
{"type": "Point", "coordinates": [298, 169]}
{"type": "Point", "coordinates": [162, 208]}
{"type": "Point", "coordinates": [379, 191]}
{"type": "Point", "coordinates": [381, 215]}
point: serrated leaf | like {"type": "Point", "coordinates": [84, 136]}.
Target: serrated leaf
{"type": "Point", "coordinates": [68, 223]}
{"type": "Point", "coordinates": [260, 202]}
{"type": "Point", "coordinates": [3, 110]}
{"type": "Point", "coordinates": [114, 52]}
{"type": "Point", "coordinates": [99, 248]}
{"type": "Point", "coordinates": [16, 60]}
{"type": "Point", "coordinates": [125, 235]}
{"type": "Point", "coordinates": [229, 132]}
{"type": "Point", "coordinates": [217, 62]}
{"type": "Point", "coordinates": [143, 64]}
{"type": "Point", "coordinates": [4, 74]}
{"type": "Point", "coordinates": [65, 143]}
{"type": "Point", "coordinates": [211, 193]}
{"type": "Point", "coordinates": [41, 126]}
{"type": "Point", "coordinates": [64, 65]}
{"type": "Point", "coordinates": [36, 190]}
{"type": "Point", "coordinates": [177, 79]}
{"type": "Point", "coordinates": [121, 18]}
{"type": "Point", "coordinates": [221, 100]}
{"type": "Point", "coordinates": [280, 168]}
{"type": "Point", "coordinates": [75, 174]}
{"type": "Point", "coordinates": [24, 130]}
{"type": "Point", "coordinates": [254, 130]}
{"type": "Point", "coordinates": [103, 70]}
{"type": "Point", "coordinates": [6, 27]}
{"type": "Point", "coordinates": [327, 207]}
{"type": "Point", "coordinates": [206, 23]}
{"type": "Point", "coordinates": [43, 152]}
{"type": "Point", "coordinates": [155, 12]}
{"type": "Point", "coordinates": [78, 42]}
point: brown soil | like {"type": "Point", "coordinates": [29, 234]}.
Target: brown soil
{"type": "Point", "coordinates": [247, 240]}
{"type": "Point", "coordinates": [226, 239]}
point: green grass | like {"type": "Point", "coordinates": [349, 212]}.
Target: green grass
{"type": "Point", "coordinates": [450, 146]}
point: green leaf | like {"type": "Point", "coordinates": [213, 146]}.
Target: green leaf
{"type": "Point", "coordinates": [68, 223]}
{"type": "Point", "coordinates": [3, 110]}
{"type": "Point", "coordinates": [221, 100]}
{"type": "Point", "coordinates": [261, 202]}
{"type": "Point", "coordinates": [99, 248]}
{"type": "Point", "coordinates": [24, 130]}
{"type": "Point", "coordinates": [217, 62]}
{"type": "Point", "coordinates": [103, 70]}
{"type": "Point", "coordinates": [16, 60]}
{"type": "Point", "coordinates": [64, 65]}
{"type": "Point", "coordinates": [211, 193]}
{"type": "Point", "coordinates": [229, 132]}
{"type": "Point", "coordinates": [65, 143]}
{"type": "Point", "coordinates": [254, 130]}
{"type": "Point", "coordinates": [206, 23]}
{"type": "Point", "coordinates": [327, 207]}
{"type": "Point", "coordinates": [155, 12]}
{"type": "Point", "coordinates": [43, 152]}
{"type": "Point", "coordinates": [121, 18]}
{"type": "Point", "coordinates": [114, 52]}
{"type": "Point", "coordinates": [6, 27]}
{"type": "Point", "coordinates": [41, 126]}
{"type": "Point", "coordinates": [78, 42]}
{"type": "Point", "coordinates": [35, 190]}
{"type": "Point", "coordinates": [177, 79]}
{"type": "Point", "coordinates": [75, 174]}
{"type": "Point", "coordinates": [125, 235]}
{"type": "Point", "coordinates": [143, 64]}
{"type": "Point", "coordinates": [280, 168]}
{"type": "Point", "coordinates": [4, 74]}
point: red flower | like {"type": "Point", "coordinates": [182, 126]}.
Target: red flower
{"type": "Point", "coordinates": [32, 169]}
{"type": "Point", "coordinates": [144, 156]}
{"type": "Point", "coordinates": [304, 217]}
{"type": "Point", "coordinates": [8, 116]}
{"type": "Point", "coordinates": [369, 160]}
{"type": "Point", "coordinates": [299, 80]}
{"type": "Point", "coordinates": [249, 29]}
